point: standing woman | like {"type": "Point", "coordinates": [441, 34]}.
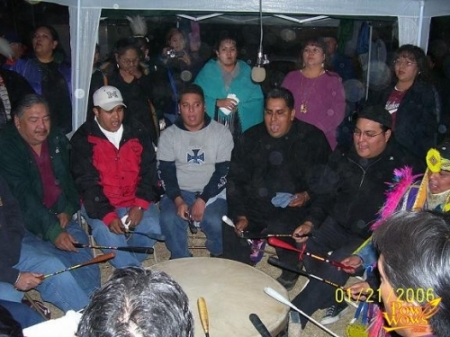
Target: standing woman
{"type": "Point", "coordinates": [231, 96]}
{"type": "Point", "coordinates": [49, 75]}
{"type": "Point", "coordinates": [182, 63]}
{"type": "Point", "coordinates": [412, 101]}
{"type": "Point", "coordinates": [319, 94]}
{"type": "Point", "coordinates": [124, 71]}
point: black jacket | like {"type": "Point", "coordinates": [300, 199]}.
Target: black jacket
{"type": "Point", "coordinates": [262, 165]}
{"type": "Point", "coordinates": [417, 117]}
{"type": "Point", "coordinates": [354, 188]}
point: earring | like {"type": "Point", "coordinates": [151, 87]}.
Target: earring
{"type": "Point", "coordinates": [117, 65]}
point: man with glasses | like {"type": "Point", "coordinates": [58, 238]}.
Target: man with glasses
{"type": "Point", "coordinates": [353, 189]}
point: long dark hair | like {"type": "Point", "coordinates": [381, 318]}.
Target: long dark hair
{"type": "Point", "coordinates": [415, 54]}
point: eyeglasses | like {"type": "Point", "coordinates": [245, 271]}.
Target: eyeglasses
{"type": "Point", "coordinates": [129, 61]}
{"type": "Point", "coordinates": [366, 134]}
{"type": "Point", "coordinates": [404, 63]}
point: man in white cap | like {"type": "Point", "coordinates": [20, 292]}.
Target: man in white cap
{"type": "Point", "coordinates": [114, 166]}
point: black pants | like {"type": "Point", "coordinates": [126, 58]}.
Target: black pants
{"type": "Point", "coordinates": [329, 237]}
{"type": "Point", "coordinates": [282, 221]}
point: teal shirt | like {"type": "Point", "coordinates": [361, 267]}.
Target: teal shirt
{"type": "Point", "coordinates": [251, 99]}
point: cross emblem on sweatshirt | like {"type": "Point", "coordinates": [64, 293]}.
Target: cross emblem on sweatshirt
{"type": "Point", "coordinates": [196, 158]}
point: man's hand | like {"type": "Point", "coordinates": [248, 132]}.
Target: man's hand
{"type": "Point", "coordinates": [302, 230]}
{"type": "Point", "coordinates": [299, 200]}
{"type": "Point", "coordinates": [197, 209]}
{"type": "Point", "coordinates": [241, 225]}
{"type": "Point", "coordinates": [135, 215]}
{"type": "Point", "coordinates": [116, 226]}
{"type": "Point", "coordinates": [353, 262]}
{"type": "Point", "coordinates": [359, 291]}
{"type": "Point", "coordinates": [64, 219]}
{"type": "Point", "coordinates": [182, 208]}
{"type": "Point", "coordinates": [65, 241]}
{"type": "Point", "coordinates": [27, 281]}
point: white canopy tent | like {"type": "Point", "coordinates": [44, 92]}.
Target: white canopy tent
{"type": "Point", "coordinates": [414, 17]}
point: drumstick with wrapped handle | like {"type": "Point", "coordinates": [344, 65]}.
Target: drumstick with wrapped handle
{"type": "Point", "coordinates": [276, 295]}
{"type": "Point", "coordinates": [259, 325]}
{"type": "Point", "coordinates": [281, 244]}
{"type": "Point", "coordinates": [98, 259]}
{"type": "Point", "coordinates": [132, 249]}
{"type": "Point", "coordinates": [203, 311]}
{"type": "Point", "coordinates": [275, 262]}
{"type": "Point", "coordinates": [253, 236]}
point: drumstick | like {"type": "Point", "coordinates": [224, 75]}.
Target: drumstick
{"type": "Point", "coordinates": [248, 235]}
{"type": "Point", "coordinates": [273, 293]}
{"type": "Point", "coordinates": [230, 223]}
{"type": "Point", "coordinates": [281, 244]}
{"type": "Point", "coordinates": [259, 325]}
{"type": "Point", "coordinates": [98, 259]}
{"type": "Point", "coordinates": [275, 262]}
{"type": "Point", "coordinates": [203, 311]}
{"type": "Point", "coordinates": [134, 249]}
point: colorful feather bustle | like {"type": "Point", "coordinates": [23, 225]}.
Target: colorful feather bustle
{"type": "Point", "coordinates": [377, 323]}
{"type": "Point", "coordinates": [403, 179]}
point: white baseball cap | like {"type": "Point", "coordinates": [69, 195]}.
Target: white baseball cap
{"type": "Point", "coordinates": [108, 97]}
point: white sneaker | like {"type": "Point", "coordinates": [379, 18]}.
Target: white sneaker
{"type": "Point", "coordinates": [334, 313]}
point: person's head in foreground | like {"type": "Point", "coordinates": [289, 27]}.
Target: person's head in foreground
{"type": "Point", "coordinates": [437, 178]}
{"type": "Point", "coordinates": [372, 131]}
{"type": "Point", "coordinates": [279, 112]}
{"type": "Point", "coordinates": [138, 302]}
{"type": "Point", "coordinates": [414, 265]}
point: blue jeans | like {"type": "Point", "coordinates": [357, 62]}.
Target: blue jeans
{"type": "Point", "coordinates": [175, 228]}
{"type": "Point", "coordinates": [103, 237]}
{"type": "Point", "coordinates": [22, 313]}
{"type": "Point", "coordinates": [68, 290]}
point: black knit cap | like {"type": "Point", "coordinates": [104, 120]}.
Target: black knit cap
{"type": "Point", "coordinates": [377, 113]}
{"type": "Point", "coordinates": [444, 149]}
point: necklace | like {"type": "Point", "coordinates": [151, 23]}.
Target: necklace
{"type": "Point", "coordinates": [306, 91]}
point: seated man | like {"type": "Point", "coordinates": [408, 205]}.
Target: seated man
{"type": "Point", "coordinates": [35, 164]}
{"type": "Point", "coordinates": [432, 192]}
{"type": "Point", "coordinates": [417, 264]}
{"type": "Point", "coordinates": [280, 155]}
{"type": "Point", "coordinates": [23, 263]}
{"type": "Point", "coordinates": [354, 185]}
{"type": "Point", "coordinates": [114, 167]}
{"type": "Point", "coordinates": [138, 302]}
{"type": "Point", "coordinates": [193, 159]}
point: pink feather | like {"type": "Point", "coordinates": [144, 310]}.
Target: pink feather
{"type": "Point", "coordinates": [403, 178]}
{"type": "Point", "coordinates": [376, 328]}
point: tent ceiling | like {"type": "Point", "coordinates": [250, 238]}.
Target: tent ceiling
{"type": "Point", "coordinates": [405, 8]}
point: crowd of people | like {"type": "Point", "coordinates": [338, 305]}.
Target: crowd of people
{"type": "Point", "coordinates": [178, 142]}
